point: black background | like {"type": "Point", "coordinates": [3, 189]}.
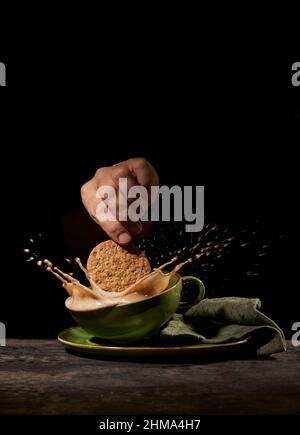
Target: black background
{"type": "Point", "coordinates": [224, 116]}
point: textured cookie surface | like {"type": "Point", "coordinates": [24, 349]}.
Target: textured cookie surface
{"type": "Point", "coordinates": [114, 268]}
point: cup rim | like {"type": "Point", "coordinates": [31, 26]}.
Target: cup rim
{"type": "Point", "coordinates": [179, 277]}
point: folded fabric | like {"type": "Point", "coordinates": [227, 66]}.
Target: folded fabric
{"type": "Point", "coordinates": [223, 320]}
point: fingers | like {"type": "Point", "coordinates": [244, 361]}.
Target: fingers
{"type": "Point", "coordinates": [122, 171]}
{"type": "Point", "coordinates": [116, 231]}
{"type": "Point", "coordinates": [144, 172]}
{"type": "Point", "coordinates": [88, 196]}
{"type": "Point", "coordinates": [120, 232]}
{"type": "Point", "coordinates": [137, 171]}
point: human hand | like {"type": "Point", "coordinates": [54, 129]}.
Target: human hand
{"type": "Point", "coordinates": [138, 171]}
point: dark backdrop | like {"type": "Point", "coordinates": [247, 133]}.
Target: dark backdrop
{"type": "Point", "coordinates": [222, 117]}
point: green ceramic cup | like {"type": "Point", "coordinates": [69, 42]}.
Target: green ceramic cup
{"type": "Point", "coordinates": [138, 320]}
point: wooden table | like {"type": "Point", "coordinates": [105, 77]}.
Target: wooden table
{"type": "Point", "coordinates": [40, 377]}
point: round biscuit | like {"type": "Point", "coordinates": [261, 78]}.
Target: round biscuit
{"type": "Point", "coordinates": [114, 268]}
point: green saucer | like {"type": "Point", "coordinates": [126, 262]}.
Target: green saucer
{"type": "Point", "coordinates": [78, 341]}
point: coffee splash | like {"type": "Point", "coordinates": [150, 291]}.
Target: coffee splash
{"type": "Point", "coordinates": [211, 250]}
{"type": "Point", "coordinates": [83, 298]}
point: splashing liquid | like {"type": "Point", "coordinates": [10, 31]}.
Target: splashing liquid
{"type": "Point", "coordinates": [220, 255]}
{"type": "Point", "coordinates": [83, 298]}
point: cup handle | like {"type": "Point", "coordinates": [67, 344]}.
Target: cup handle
{"type": "Point", "coordinates": [201, 292]}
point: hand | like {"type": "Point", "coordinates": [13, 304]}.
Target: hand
{"type": "Point", "coordinates": [138, 171]}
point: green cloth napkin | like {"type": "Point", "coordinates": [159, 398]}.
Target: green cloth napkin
{"type": "Point", "coordinates": [224, 320]}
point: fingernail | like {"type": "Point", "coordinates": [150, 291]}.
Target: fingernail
{"type": "Point", "coordinates": [124, 238]}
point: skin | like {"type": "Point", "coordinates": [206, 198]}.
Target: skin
{"type": "Point", "coordinates": [138, 171]}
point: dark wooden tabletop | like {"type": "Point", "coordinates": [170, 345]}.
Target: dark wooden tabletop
{"type": "Point", "coordinates": [40, 377]}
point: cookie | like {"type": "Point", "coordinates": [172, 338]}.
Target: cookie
{"type": "Point", "coordinates": [114, 268]}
